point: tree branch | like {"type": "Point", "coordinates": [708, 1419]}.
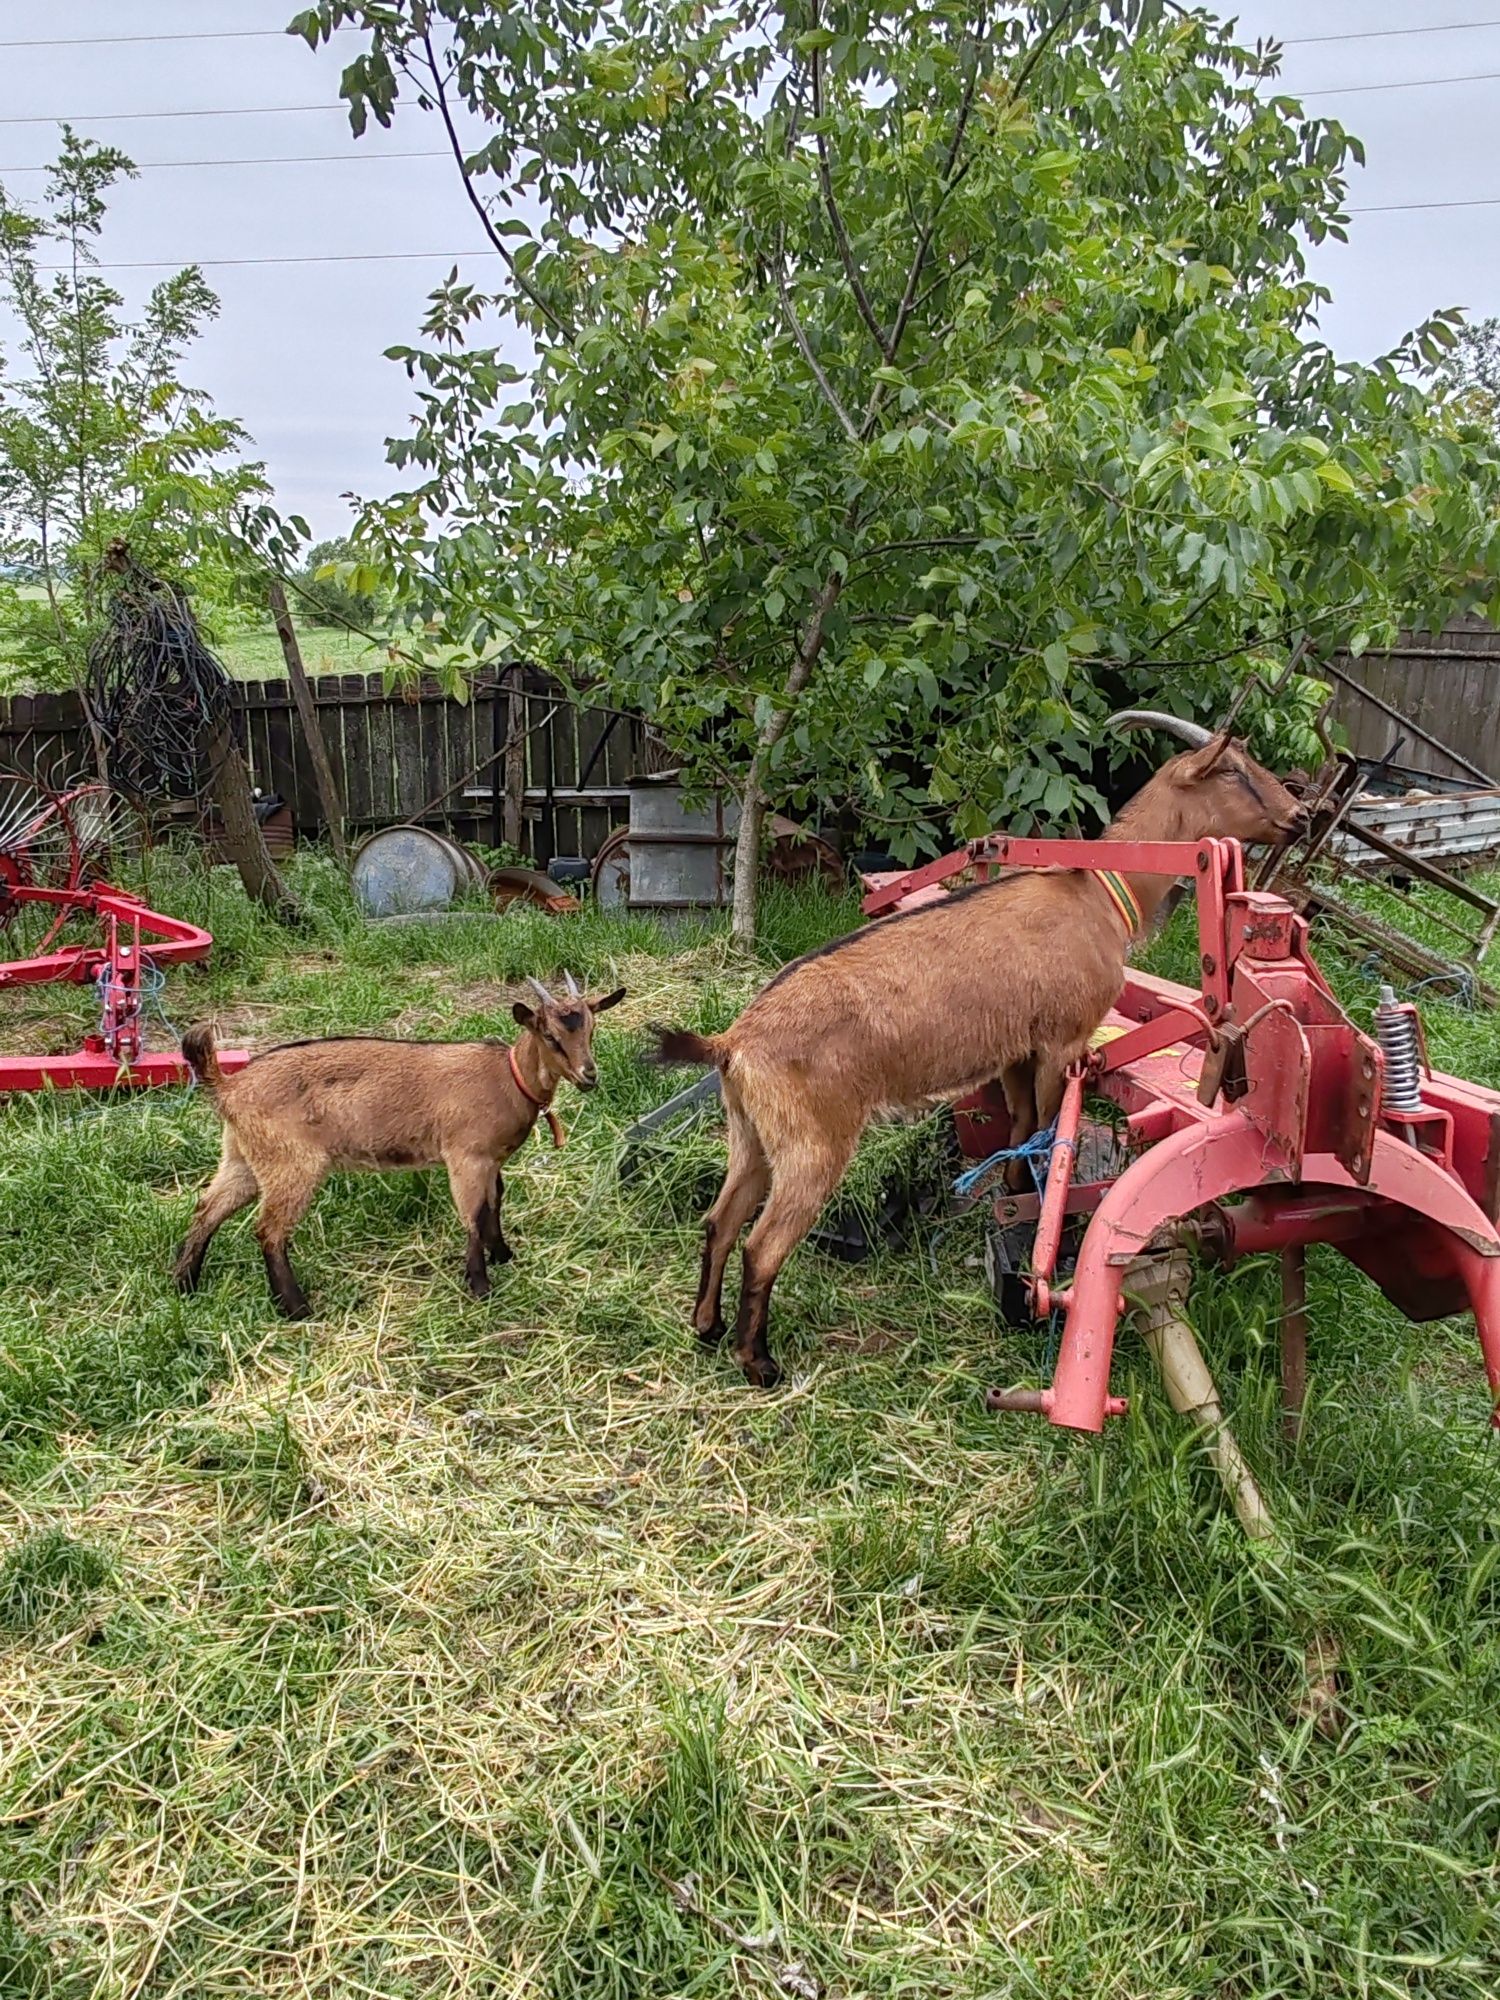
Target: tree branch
{"type": "Point", "coordinates": [951, 179]}
{"type": "Point", "coordinates": [829, 393]}
{"type": "Point", "coordinates": [835, 217]}
{"type": "Point", "coordinates": [558, 325]}
{"type": "Point", "coordinates": [1049, 34]}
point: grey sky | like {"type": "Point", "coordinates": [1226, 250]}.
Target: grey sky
{"type": "Point", "coordinates": [297, 353]}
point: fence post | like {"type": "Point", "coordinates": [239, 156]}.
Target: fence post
{"type": "Point", "coordinates": [307, 715]}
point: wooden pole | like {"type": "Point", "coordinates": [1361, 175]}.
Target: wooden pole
{"type": "Point", "coordinates": [1293, 1339]}
{"type": "Point", "coordinates": [1159, 1287]}
{"type": "Point", "coordinates": [229, 787]}
{"type": "Point", "coordinates": [307, 715]}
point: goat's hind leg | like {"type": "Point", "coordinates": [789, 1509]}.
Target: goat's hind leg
{"type": "Point", "coordinates": [807, 1171]}
{"type": "Point", "coordinates": [745, 1182]}
{"type": "Point", "coordinates": [285, 1198]}
{"type": "Point", "coordinates": [232, 1188]}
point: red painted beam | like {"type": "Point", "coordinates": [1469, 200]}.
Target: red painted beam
{"type": "Point", "coordinates": [85, 1070]}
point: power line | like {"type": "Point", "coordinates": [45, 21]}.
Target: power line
{"type": "Point", "coordinates": [281, 35]}
{"type": "Point", "coordinates": [1407, 207]}
{"type": "Point", "coordinates": [195, 35]}
{"type": "Point", "coordinates": [1382, 34]}
{"type": "Point", "coordinates": [1401, 83]}
{"type": "Point", "coordinates": [456, 256]}
{"type": "Point", "coordinates": [266, 160]}
{"type": "Point", "coordinates": [298, 110]}
{"type": "Point", "coordinates": [341, 257]}
{"type": "Point", "coordinates": [115, 117]}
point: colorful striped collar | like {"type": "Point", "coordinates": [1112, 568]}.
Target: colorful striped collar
{"type": "Point", "coordinates": [1122, 896]}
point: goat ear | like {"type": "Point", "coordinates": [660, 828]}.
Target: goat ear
{"type": "Point", "coordinates": [1199, 764]}
{"type": "Point", "coordinates": [607, 1000]}
{"type": "Point", "coordinates": [522, 1013]}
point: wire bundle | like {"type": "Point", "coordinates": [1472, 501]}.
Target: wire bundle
{"type": "Point", "coordinates": [154, 689]}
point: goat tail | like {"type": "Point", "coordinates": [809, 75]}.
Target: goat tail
{"type": "Point", "coordinates": [201, 1054]}
{"type": "Point", "coordinates": [674, 1046]}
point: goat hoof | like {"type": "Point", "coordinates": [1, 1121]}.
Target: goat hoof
{"type": "Point", "coordinates": [294, 1308]}
{"type": "Point", "coordinates": [479, 1284]}
{"type": "Point", "coordinates": [502, 1254]}
{"type": "Point", "coordinates": [710, 1336]}
{"type": "Point", "coordinates": [185, 1281]}
{"type": "Point", "coordinates": [762, 1374]}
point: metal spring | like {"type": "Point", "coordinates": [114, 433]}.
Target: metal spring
{"type": "Point", "coordinates": [1396, 1029]}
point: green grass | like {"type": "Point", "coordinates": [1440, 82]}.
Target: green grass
{"type": "Point", "coordinates": [252, 652]}
{"type": "Point", "coordinates": [518, 1649]}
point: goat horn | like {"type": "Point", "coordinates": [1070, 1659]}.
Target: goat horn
{"type": "Point", "coordinates": [539, 990]}
{"type": "Point", "coordinates": [572, 986]}
{"type": "Point", "coordinates": [1191, 733]}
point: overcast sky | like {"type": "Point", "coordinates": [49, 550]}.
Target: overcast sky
{"type": "Point", "coordinates": [297, 353]}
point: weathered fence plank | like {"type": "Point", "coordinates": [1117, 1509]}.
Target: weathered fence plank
{"type": "Point", "coordinates": [1447, 682]}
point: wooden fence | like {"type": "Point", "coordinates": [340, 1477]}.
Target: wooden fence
{"type": "Point", "coordinates": [1446, 684]}
{"type": "Point", "coordinates": [413, 755]}
{"type": "Point", "coordinates": [420, 755]}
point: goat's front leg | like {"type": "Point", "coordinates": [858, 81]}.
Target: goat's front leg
{"type": "Point", "coordinates": [745, 1182]}
{"type": "Point", "coordinates": [496, 1248]}
{"type": "Point", "coordinates": [472, 1179]}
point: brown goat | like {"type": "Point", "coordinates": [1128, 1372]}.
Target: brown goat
{"type": "Point", "coordinates": [296, 1113]}
{"type": "Point", "coordinates": [1006, 980]}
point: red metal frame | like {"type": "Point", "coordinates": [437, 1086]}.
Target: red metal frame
{"type": "Point", "coordinates": [114, 1056]}
{"type": "Point", "coordinates": [1254, 1116]}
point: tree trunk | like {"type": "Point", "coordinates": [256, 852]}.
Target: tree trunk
{"type": "Point", "coordinates": [307, 715]}
{"type": "Point", "coordinates": [513, 825]}
{"type": "Point", "coordinates": [229, 788]}
{"type": "Point", "coordinates": [746, 897]}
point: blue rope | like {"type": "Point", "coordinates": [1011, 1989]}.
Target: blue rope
{"type": "Point", "coordinates": [153, 983]}
{"type": "Point", "coordinates": [1036, 1151]}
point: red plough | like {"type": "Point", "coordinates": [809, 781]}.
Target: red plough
{"type": "Point", "coordinates": [1256, 1117]}
{"type": "Point", "coordinates": [136, 944]}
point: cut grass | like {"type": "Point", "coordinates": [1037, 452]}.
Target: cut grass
{"type": "Point", "coordinates": [518, 1649]}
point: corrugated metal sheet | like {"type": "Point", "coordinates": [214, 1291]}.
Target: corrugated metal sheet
{"type": "Point", "coordinates": [1447, 827]}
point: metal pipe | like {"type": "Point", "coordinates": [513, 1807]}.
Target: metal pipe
{"type": "Point", "coordinates": [1049, 1226]}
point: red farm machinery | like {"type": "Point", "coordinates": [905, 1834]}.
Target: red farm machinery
{"type": "Point", "coordinates": [51, 845]}
{"type": "Point", "coordinates": [1249, 1116]}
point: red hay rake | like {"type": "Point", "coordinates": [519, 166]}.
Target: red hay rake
{"type": "Point", "coordinates": [1256, 1117]}
{"type": "Point", "coordinates": [47, 845]}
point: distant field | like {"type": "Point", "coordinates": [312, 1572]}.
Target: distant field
{"type": "Point", "coordinates": [255, 653]}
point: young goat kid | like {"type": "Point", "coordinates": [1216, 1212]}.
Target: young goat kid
{"type": "Point", "coordinates": [296, 1113]}
{"type": "Point", "coordinates": [1006, 980]}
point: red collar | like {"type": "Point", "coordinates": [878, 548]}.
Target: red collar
{"type": "Point", "coordinates": [558, 1135]}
